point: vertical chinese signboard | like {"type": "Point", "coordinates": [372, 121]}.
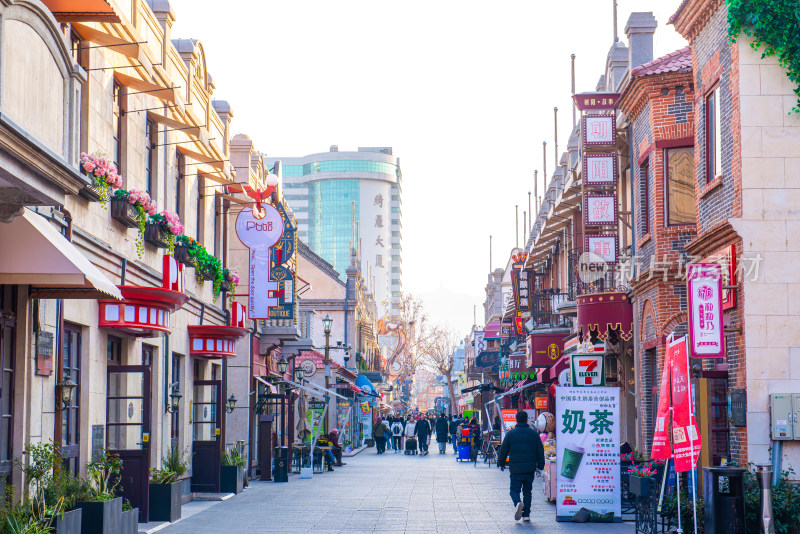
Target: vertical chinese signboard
{"type": "Point", "coordinates": [283, 271]}
{"type": "Point", "coordinates": [587, 449]}
{"type": "Point", "coordinates": [705, 310]}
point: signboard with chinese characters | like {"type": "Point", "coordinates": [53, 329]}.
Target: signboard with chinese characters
{"type": "Point", "coordinates": [488, 361]}
{"type": "Point", "coordinates": [545, 349]}
{"type": "Point", "coordinates": [509, 421]}
{"type": "Point", "coordinates": [519, 279]}
{"type": "Point", "coordinates": [588, 369]}
{"type": "Point", "coordinates": [258, 235]}
{"type": "Point", "coordinates": [705, 310]}
{"type": "Point", "coordinates": [604, 246]}
{"type": "Point", "coordinates": [587, 451]}
{"type": "Point", "coordinates": [601, 210]}
{"type": "Point", "coordinates": [600, 169]}
{"type": "Point", "coordinates": [505, 330]}
{"type": "Point", "coordinates": [585, 101]}
{"type": "Point", "coordinates": [599, 131]}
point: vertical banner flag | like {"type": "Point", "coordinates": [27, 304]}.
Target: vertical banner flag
{"type": "Point", "coordinates": [705, 310]}
{"type": "Point", "coordinates": [587, 451]}
{"type": "Point", "coordinates": [661, 445]}
{"type": "Point", "coordinates": [685, 437]}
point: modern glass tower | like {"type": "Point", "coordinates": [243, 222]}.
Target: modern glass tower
{"type": "Point", "coordinates": [322, 189]}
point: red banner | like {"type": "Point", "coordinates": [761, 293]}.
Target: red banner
{"type": "Point", "coordinates": [685, 437]}
{"type": "Point", "coordinates": [661, 444]}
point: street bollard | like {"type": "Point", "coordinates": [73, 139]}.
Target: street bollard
{"type": "Point", "coordinates": [724, 500]}
{"type": "Point", "coordinates": [764, 476]}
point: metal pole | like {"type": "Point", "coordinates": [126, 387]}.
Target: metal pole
{"type": "Point", "coordinates": [544, 162]}
{"type": "Point", "coordinates": [530, 227]}
{"type": "Point", "coordinates": [573, 92]}
{"type": "Point", "coordinates": [516, 224]}
{"type": "Point", "coordinates": [766, 524]}
{"type": "Point", "coordinates": [490, 254]}
{"type": "Point", "coordinates": [616, 37]}
{"type": "Point", "coordinates": [535, 192]}
{"type": "Point", "coordinates": [555, 136]}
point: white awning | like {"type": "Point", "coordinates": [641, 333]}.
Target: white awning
{"type": "Point", "coordinates": [36, 254]}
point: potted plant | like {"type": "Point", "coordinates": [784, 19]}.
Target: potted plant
{"type": "Point", "coordinates": [165, 486]}
{"type": "Point", "coordinates": [640, 478]}
{"type": "Point", "coordinates": [52, 491]}
{"type": "Point", "coordinates": [161, 230]}
{"type": "Point", "coordinates": [129, 519]}
{"type": "Point", "coordinates": [142, 205]}
{"type": "Point", "coordinates": [103, 174]}
{"type": "Point", "coordinates": [232, 471]}
{"type": "Point", "coordinates": [103, 513]}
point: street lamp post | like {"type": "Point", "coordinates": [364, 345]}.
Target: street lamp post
{"type": "Point", "coordinates": [327, 324]}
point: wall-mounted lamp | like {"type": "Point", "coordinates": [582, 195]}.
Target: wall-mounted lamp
{"type": "Point", "coordinates": [64, 391]}
{"type": "Point", "coordinates": [230, 404]}
{"type": "Point", "coordinates": [283, 365]}
{"type": "Point", "coordinates": [174, 399]}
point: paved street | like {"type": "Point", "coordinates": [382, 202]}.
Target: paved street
{"type": "Point", "coordinates": [390, 493]}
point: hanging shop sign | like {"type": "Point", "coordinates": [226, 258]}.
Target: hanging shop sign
{"type": "Point", "coordinates": [545, 349]}
{"type": "Point", "coordinates": [604, 246]}
{"type": "Point", "coordinates": [600, 169]}
{"type": "Point", "coordinates": [283, 250]}
{"type": "Point", "coordinates": [286, 293]}
{"type": "Point", "coordinates": [588, 369]}
{"type": "Point", "coordinates": [584, 101]}
{"type": "Point", "coordinates": [686, 439]}
{"type": "Point", "coordinates": [488, 361]}
{"type": "Point", "coordinates": [315, 411]}
{"type": "Point", "coordinates": [506, 330]}
{"type": "Point", "coordinates": [601, 210]}
{"type": "Point", "coordinates": [599, 131]}
{"type": "Point", "coordinates": [519, 280]}
{"type": "Point", "coordinates": [705, 310]}
{"type": "Point", "coordinates": [258, 235]}
{"type": "Point", "coordinates": [587, 451]}
{"type": "Point", "coordinates": [145, 311]}
{"type": "Point", "coordinates": [540, 403]}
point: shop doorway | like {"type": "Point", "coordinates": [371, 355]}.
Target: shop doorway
{"type": "Point", "coordinates": [128, 424]}
{"type": "Point", "coordinates": [206, 435]}
{"type": "Point", "coordinates": [71, 415]}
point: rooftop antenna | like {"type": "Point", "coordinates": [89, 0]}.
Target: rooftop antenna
{"type": "Point", "coordinates": [516, 223]}
{"type": "Point", "coordinates": [490, 254]}
{"type": "Point", "coordinates": [524, 226]}
{"type": "Point", "coordinates": [536, 189]}
{"type": "Point", "coordinates": [616, 37]}
{"type": "Point", "coordinates": [574, 119]}
{"type": "Point", "coordinates": [544, 162]}
{"type": "Point", "coordinates": [529, 210]}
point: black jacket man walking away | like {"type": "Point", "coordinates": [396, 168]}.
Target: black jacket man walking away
{"type": "Point", "coordinates": [523, 448]}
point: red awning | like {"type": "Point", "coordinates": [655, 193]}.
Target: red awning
{"type": "Point", "coordinates": [603, 312]}
{"type": "Point", "coordinates": [492, 330]}
{"type": "Point", "coordinates": [214, 342]}
{"type": "Point", "coordinates": [551, 374]}
{"type": "Point", "coordinates": [82, 10]}
{"type": "Point", "coordinates": [144, 312]}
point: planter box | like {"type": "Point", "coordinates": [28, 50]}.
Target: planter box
{"type": "Point", "coordinates": [165, 501]}
{"type": "Point", "coordinates": [69, 523]}
{"type": "Point", "coordinates": [639, 486]}
{"type": "Point", "coordinates": [129, 523]}
{"type": "Point", "coordinates": [231, 479]}
{"type": "Point", "coordinates": [225, 286]}
{"type": "Point", "coordinates": [207, 274]}
{"type": "Point", "coordinates": [125, 213]}
{"type": "Point", "coordinates": [92, 193]}
{"type": "Point", "coordinates": [154, 234]}
{"type": "Point", "coordinates": [101, 517]}
{"type": "Point", "coordinates": [182, 255]}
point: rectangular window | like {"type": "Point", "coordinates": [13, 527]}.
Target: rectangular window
{"type": "Point", "coordinates": [713, 136]}
{"type": "Point", "coordinates": [199, 209]}
{"type": "Point", "coordinates": [679, 165]}
{"type": "Point", "coordinates": [114, 350]}
{"type": "Point", "coordinates": [71, 415]}
{"type": "Point", "coordinates": [644, 197]}
{"type": "Point", "coordinates": [147, 354]}
{"type": "Point", "coordinates": [75, 48]}
{"type": "Point", "coordinates": [218, 206]}
{"type": "Point", "coordinates": [116, 126]}
{"type": "Point", "coordinates": [180, 179]}
{"type": "Point", "coordinates": [149, 148]}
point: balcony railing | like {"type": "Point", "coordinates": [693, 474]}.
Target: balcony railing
{"type": "Point", "coordinates": [583, 281]}
{"type": "Point", "coordinates": [544, 308]}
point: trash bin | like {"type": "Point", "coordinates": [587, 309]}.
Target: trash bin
{"type": "Point", "coordinates": [280, 468]}
{"type": "Point", "coordinates": [724, 500]}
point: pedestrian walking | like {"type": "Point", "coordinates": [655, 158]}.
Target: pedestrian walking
{"type": "Point", "coordinates": [410, 432]}
{"type": "Point", "coordinates": [523, 449]}
{"type": "Point", "coordinates": [423, 431]}
{"type": "Point", "coordinates": [397, 434]}
{"type": "Point", "coordinates": [442, 433]}
{"type": "Point", "coordinates": [475, 433]}
{"type": "Point", "coordinates": [380, 432]}
{"type": "Point", "coordinates": [453, 429]}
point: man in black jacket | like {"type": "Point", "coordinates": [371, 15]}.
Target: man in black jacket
{"type": "Point", "coordinates": [453, 429]}
{"type": "Point", "coordinates": [524, 447]}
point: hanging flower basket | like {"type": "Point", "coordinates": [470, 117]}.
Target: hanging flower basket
{"type": "Point", "coordinates": [155, 234]}
{"type": "Point", "coordinates": [142, 205]}
{"type": "Point", "coordinates": [208, 273]}
{"type": "Point", "coordinates": [104, 175]}
{"type": "Point", "coordinates": [124, 212]}
{"type": "Point", "coordinates": [93, 192]}
{"type": "Point", "coordinates": [225, 286]}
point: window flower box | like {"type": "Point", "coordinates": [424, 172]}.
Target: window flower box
{"type": "Point", "coordinates": [208, 273]}
{"type": "Point", "coordinates": [182, 255]}
{"type": "Point", "coordinates": [124, 212]}
{"type": "Point", "coordinates": [156, 235]}
{"type": "Point", "coordinates": [93, 193]}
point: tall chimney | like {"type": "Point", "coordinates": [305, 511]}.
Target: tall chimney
{"type": "Point", "coordinates": [640, 29]}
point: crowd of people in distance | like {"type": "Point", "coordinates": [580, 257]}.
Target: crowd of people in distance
{"type": "Point", "coordinates": [413, 434]}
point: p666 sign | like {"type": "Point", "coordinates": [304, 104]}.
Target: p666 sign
{"type": "Point", "coordinates": [588, 370]}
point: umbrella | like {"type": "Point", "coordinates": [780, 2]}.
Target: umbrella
{"type": "Point", "coordinates": [303, 428]}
